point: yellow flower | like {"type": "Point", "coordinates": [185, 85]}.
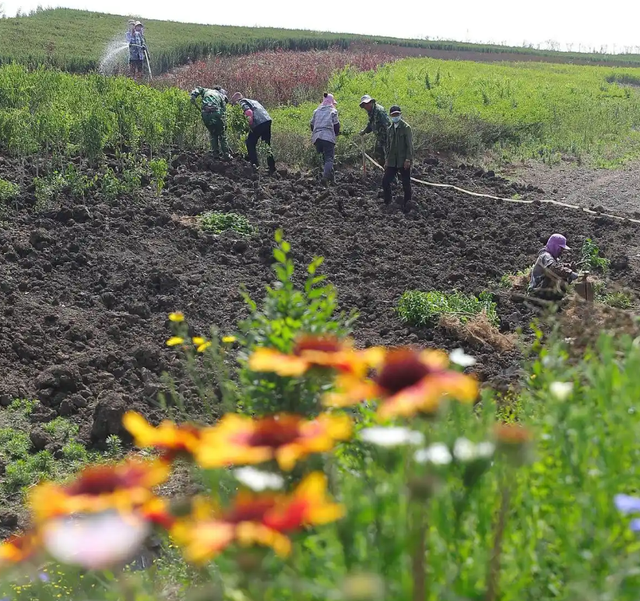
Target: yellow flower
{"type": "Point", "coordinates": [198, 340]}
{"type": "Point", "coordinates": [258, 519]}
{"type": "Point", "coordinates": [19, 548]}
{"type": "Point", "coordinates": [204, 346]}
{"type": "Point", "coordinates": [228, 339]}
{"type": "Point", "coordinates": [240, 440]}
{"type": "Point", "coordinates": [309, 351]}
{"type": "Point", "coordinates": [407, 382]}
{"type": "Point", "coordinates": [175, 340]}
{"type": "Point", "coordinates": [123, 486]}
{"type": "Point", "coordinates": [177, 316]}
{"type": "Point", "coordinates": [168, 437]}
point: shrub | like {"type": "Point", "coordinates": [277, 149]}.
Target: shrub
{"type": "Point", "coordinates": [591, 258]}
{"type": "Point", "coordinates": [8, 191]}
{"type": "Point", "coordinates": [159, 170]}
{"type": "Point", "coordinates": [425, 308]}
{"type": "Point", "coordinates": [217, 222]}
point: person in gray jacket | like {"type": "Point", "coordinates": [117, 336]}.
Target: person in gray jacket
{"type": "Point", "coordinates": [259, 126]}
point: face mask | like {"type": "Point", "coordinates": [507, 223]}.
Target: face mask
{"type": "Point", "coordinates": [396, 119]}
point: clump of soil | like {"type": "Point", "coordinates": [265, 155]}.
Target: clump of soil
{"type": "Point", "coordinates": [86, 286]}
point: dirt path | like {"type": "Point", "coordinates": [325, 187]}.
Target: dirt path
{"type": "Point", "coordinates": [617, 191]}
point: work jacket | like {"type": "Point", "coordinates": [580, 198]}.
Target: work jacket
{"type": "Point", "coordinates": [399, 144]}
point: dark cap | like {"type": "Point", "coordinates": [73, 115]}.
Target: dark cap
{"type": "Point", "coordinates": [394, 109]}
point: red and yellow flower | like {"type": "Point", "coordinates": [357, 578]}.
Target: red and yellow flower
{"type": "Point", "coordinates": [308, 352]}
{"type": "Point", "coordinates": [169, 438]}
{"type": "Point", "coordinates": [125, 487]}
{"type": "Point", "coordinates": [258, 519]}
{"type": "Point", "coordinates": [406, 382]}
{"type": "Point", "coordinates": [287, 438]}
{"type": "Point", "coordinates": [19, 548]}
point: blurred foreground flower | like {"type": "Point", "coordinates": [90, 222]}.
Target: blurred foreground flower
{"type": "Point", "coordinates": [95, 541]}
{"type": "Point", "coordinates": [514, 441]}
{"type": "Point", "coordinates": [168, 437]}
{"type": "Point", "coordinates": [309, 351]}
{"type": "Point", "coordinates": [258, 519]}
{"type": "Point", "coordinates": [240, 440]}
{"type": "Point", "coordinates": [464, 450]}
{"type": "Point", "coordinates": [257, 480]}
{"type": "Point", "coordinates": [459, 357]}
{"type": "Point", "coordinates": [438, 453]}
{"type": "Point", "coordinates": [407, 382]}
{"type": "Point", "coordinates": [19, 548]}
{"type": "Point", "coordinates": [561, 390]}
{"type": "Point", "coordinates": [627, 504]}
{"type": "Point", "coordinates": [124, 486]}
{"type": "Point", "coordinates": [176, 317]}
{"type": "Point", "coordinates": [392, 437]}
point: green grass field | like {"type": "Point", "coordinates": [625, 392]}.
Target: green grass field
{"type": "Point", "coordinates": [59, 37]}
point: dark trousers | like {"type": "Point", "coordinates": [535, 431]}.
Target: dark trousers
{"type": "Point", "coordinates": [260, 132]}
{"type": "Point", "coordinates": [390, 174]}
{"type": "Point", "coordinates": [327, 150]}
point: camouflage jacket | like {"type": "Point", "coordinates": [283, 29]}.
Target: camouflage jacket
{"type": "Point", "coordinates": [212, 100]}
{"type": "Point", "coordinates": [379, 121]}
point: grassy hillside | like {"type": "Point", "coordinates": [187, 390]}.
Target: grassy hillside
{"type": "Point", "coordinates": [74, 40]}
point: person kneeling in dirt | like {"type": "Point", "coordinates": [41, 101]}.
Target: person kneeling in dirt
{"type": "Point", "coordinates": [399, 156]}
{"type": "Point", "coordinates": [214, 116]}
{"type": "Point", "coordinates": [260, 126]}
{"type": "Point", "coordinates": [325, 126]}
{"type": "Point", "coordinates": [549, 277]}
{"type": "Point", "coordinates": [378, 123]}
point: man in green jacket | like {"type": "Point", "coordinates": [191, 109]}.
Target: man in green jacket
{"type": "Point", "coordinates": [378, 123]}
{"type": "Point", "coordinates": [214, 116]}
{"type": "Point", "coordinates": [399, 156]}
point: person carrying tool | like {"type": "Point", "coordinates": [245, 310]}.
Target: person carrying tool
{"type": "Point", "coordinates": [399, 156]}
{"type": "Point", "coordinates": [325, 126]}
{"type": "Point", "coordinates": [259, 126]}
{"type": "Point", "coordinates": [137, 49]}
{"type": "Point", "coordinates": [378, 123]}
{"type": "Point", "coordinates": [214, 117]}
{"type": "Point", "coordinates": [549, 277]}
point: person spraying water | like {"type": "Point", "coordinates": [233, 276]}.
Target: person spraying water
{"type": "Point", "coordinates": [138, 51]}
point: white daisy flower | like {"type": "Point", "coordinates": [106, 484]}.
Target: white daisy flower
{"type": "Point", "coordinates": [438, 453]}
{"type": "Point", "coordinates": [464, 450]}
{"type": "Point", "coordinates": [391, 437]}
{"type": "Point", "coordinates": [257, 480]}
{"type": "Point", "coordinates": [459, 357]}
{"type": "Point", "coordinates": [561, 390]}
{"type": "Point", "coordinates": [95, 541]}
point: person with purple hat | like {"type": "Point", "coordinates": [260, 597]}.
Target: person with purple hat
{"type": "Point", "coordinates": [549, 277]}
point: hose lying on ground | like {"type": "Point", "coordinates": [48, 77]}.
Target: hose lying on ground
{"type": "Point", "coordinates": [519, 200]}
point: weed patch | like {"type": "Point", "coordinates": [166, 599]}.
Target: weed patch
{"type": "Point", "coordinates": [591, 258]}
{"type": "Point", "coordinates": [425, 308]}
{"type": "Point", "coordinates": [217, 222]}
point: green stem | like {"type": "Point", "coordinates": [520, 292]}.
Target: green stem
{"type": "Point", "coordinates": [419, 551]}
{"type": "Point", "coordinates": [493, 575]}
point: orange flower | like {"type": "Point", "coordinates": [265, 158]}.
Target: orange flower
{"type": "Point", "coordinates": [406, 382]}
{"type": "Point", "coordinates": [124, 486]}
{"type": "Point", "coordinates": [157, 511]}
{"type": "Point", "coordinates": [309, 351]}
{"type": "Point", "coordinates": [258, 519]}
{"type": "Point", "coordinates": [19, 548]}
{"type": "Point", "coordinates": [240, 440]}
{"type": "Point", "coordinates": [168, 437]}
{"type": "Point", "coordinates": [512, 434]}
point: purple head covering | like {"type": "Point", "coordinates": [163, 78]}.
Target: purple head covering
{"type": "Point", "coordinates": [329, 100]}
{"type": "Point", "coordinates": [556, 244]}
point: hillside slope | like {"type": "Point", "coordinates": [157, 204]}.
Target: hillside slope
{"type": "Point", "coordinates": [59, 37]}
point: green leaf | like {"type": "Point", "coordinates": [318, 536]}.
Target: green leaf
{"type": "Point", "coordinates": [279, 256]}
{"type": "Point", "coordinates": [278, 236]}
{"type": "Point", "coordinates": [286, 247]}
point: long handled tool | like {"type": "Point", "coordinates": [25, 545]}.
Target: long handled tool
{"type": "Point", "coordinates": [146, 55]}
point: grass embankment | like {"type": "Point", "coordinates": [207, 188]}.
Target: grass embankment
{"type": "Point", "coordinates": [74, 40]}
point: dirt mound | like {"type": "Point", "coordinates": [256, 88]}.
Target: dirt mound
{"type": "Point", "coordinates": [86, 288]}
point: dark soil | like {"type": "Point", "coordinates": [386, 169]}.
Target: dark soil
{"type": "Point", "coordinates": [86, 287]}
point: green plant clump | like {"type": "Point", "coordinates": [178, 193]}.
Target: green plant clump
{"type": "Point", "coordinates": [618, 300]}
{"type": "Point", "coordinates": [591, 259]}
{"type": "Point", "coordinates": [8, 191]}
{"type": "Point", "coordinates": [425, 308]}
{"type": "Point", "coordinates": [217, 222]}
